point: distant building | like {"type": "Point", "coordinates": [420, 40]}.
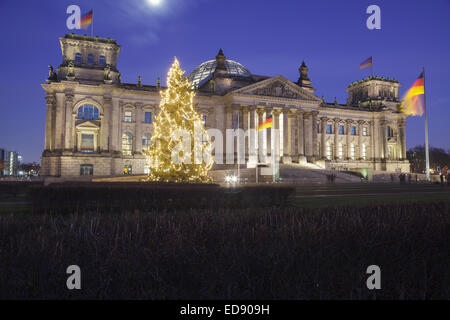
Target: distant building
{"type": "Point", "coordinates": [9, 162]}
{"type": "Point", "coordinates": [2, 162]}
{"type": "Point", "coordinates": [98, 125]}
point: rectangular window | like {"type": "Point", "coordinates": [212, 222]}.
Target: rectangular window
{"type": "Point", "coordinates": [329, 129]}
{"type": "Point", "coordinates": [102, 60]}
{"type": "Point", "coordinates": [127, 117]}
{"type": "Point", "coordinates": [86, 170]}
{"type": "Point", "coordinates": [340, 152]}
{"type": "Point", "coordinates": [352, 151]}
{"type": "Point", "coordinates": [329, 154]}
{"type": "Point", "coordinates": [148, 117]}
{"type": "Point", "coordinates": [363, 152]}
{"type": "Point", "coordinates": [353, 131]}
{"type": "Point", "coordinates": [87, 143]}
{"type": "Point", "coordinates": [341, 129]}
{"type": "Point", "coordinates": [364, 131]}
{"type": "Point", "coordinates": [90, 58]}
{"type": "Point", "coordinates": [78, 57]}
{"type": "Point", "coordinates": [318, 127]}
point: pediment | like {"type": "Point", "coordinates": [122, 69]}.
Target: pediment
{"type": "Point", "coordinates": [278, 87]}
{"type": "Point", "coordinates": [87, 124]}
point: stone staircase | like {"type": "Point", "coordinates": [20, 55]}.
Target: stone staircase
{"type": "Point", "coordinates": [289, 173]}
{"type": "Point", "coordinates": [301, 174]}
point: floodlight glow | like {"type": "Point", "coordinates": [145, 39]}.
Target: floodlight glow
{"type": "Point", "coordinates": [154, 2]}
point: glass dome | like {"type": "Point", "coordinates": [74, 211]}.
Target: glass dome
{"type": "Point", "coordinates": [205, 70]}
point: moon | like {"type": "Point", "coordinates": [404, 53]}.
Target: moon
{"type": "Point", "coordinates": [154, 3]}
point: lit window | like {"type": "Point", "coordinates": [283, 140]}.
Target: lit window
{"type": "Point", "coordinates": [102, 60]}
{"type": "Point", "coordinates": [88, 112]}
{"type": "Point", "coordinates": [127, 117]}
{"type": "Point", "coordinates": [86, 170]}
{"type": "Point", "coordinates": [340, 152]}
{"type": "Point", "coordinates": [87, 143]}
{"type": "Point", "coordinates": [90, 58]}
{"type": "Point", "coordinates": [127, 144]}
{"type": "Point", "coordinates": [329, 151]}
{"type": "Point", "coordinates": [352, 151]}
{"type": "Point", "coordinates": [364, 131]}
{"type": "Point", "coordinates": [353, 131]}
{"type": "Point", "coordinates": [341, 129]}
{"type": "Point", "coordinates": [329, 129]}
{"type": "Point", "coordinates": [78, 58]}
{"type": "Point", "coordinates": [148, 117]}
{"type": "Point", "coordinates": [146, 140]}
{"type": "Point", "coordinates": [363, 151]}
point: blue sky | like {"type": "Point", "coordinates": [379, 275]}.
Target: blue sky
{"type": "Point", "coordinates": [269, 38]}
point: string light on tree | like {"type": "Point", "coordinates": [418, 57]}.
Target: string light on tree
{"type": "Point", "coordinates": [177, 114]}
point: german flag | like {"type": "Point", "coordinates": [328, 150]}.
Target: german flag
{"type": "Point", "coordinates": [412, 102]}
{"type": "Point", "coordinates": [266, 124]}
{"type": "Point", "coordinates": [86, 20]}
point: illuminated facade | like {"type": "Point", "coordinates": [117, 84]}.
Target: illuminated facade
{"type": "Point", "coordinates": [97, 125]}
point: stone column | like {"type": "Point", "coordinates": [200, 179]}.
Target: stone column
{"type": "Point", "coordinates": [348, 129]}
{"type": "Point", "coordinates": [402, 138]}
{"type": "Point", "coordinates": [276, 133]}
{"type": "Point", "coordinates": [50, 104]}
{"type": "Point", "coordinates": [107, 110]}
{"type": "Point", "coordinates": [115, 131]}
{"type": "Point", "coordinates": [59, 126]}
{"type": "Point", "coordinates": [138, 129]}
{"type": "Point", "coordinates": [360, 132]}
{"type": "Point", "coordinates": [245, 126]}
{"type": "Point", "coordinates": [384, 125]}
{"type": "Point", "coordinates": [253, 145]}
{"type": "Point", "coordinates": [269, 132]}
{"type": "Point", "coordinates": [301, 136]}
{"type": "Point", "coordinates": [292, 134]}
{"type": "Point", "coordinates": [323, 126]}
{"type": "Point", "coordinates": [314, 135]}
{"type": "Point", "coordinates": [228, 126]}
{"type": "Point", "coordinates": [261, 141]}
{"type": "Point", "coordinates": [374, 129]}
{"type": "Point", "coordinates": [286, 137]}
{"type": "Point", "coordinates": [336, 138]}
{"type": "Point", "coordinates": [308, 135]}
{"type": "Point", "coordinates": [68, 144]}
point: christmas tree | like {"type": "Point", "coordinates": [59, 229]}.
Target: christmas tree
{"type": "Point", "coordinates": [180, 150]}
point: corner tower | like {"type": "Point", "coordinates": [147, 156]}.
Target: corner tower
{"type": "Point", "coordinates": [88, 59]}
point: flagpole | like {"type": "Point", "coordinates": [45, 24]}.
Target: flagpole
{"type": "Point", "coordinates": [92, 24]}
{"type": "Point", "coordinates": [371, 66]}
{"type": "Point", "coordinates": [427, 154]}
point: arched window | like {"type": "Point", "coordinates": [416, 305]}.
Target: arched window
{"type": "Point", "coordinates": [146, 140]}
{"type": "Point", "coordinates": [88, 112]}
{"type": "Point", "coordinates": [102, 60]}
{"type": "Point", "coordinates": [127, 144]}
{"type": "Point", "coordinates": [90, 58]}
{"type": "Point", "coordinates": [78, 57]}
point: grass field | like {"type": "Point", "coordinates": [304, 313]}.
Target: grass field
{"type": "Point", "coordinates": [316, 246]}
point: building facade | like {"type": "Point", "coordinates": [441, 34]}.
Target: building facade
{"type": "Point", "coordinates": [97, 125]}
{"type": "Point", "coordinates": [9, 162]}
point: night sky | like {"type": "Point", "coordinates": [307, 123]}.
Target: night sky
{"type": "Point", "coordinates": [268, 37]}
